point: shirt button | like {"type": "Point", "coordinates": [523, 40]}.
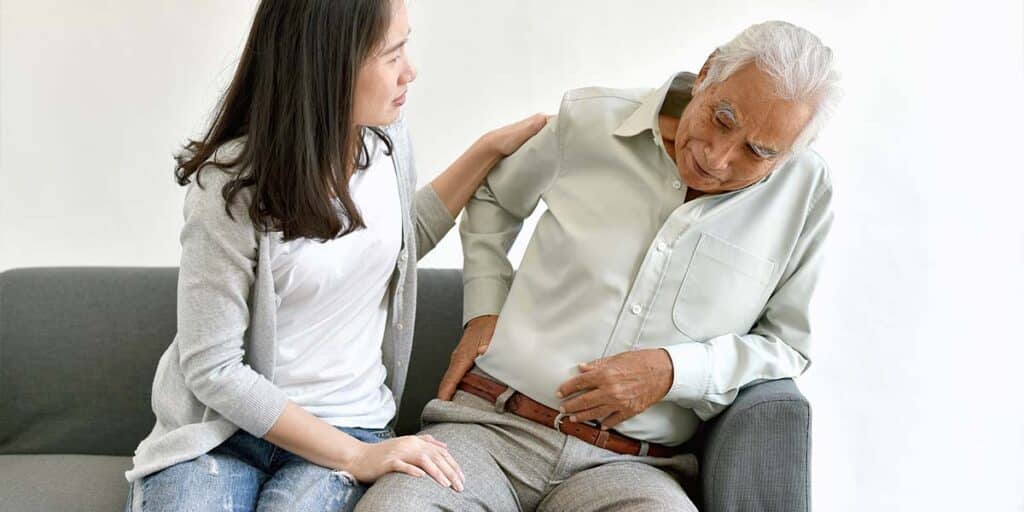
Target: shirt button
{"type": "Point", "coordinates": [636, 309]}
{"type": "Point", "coordinates": [677, 185]}
{"type": "Point", "coordinates": [661, 246]}
{"type": "Point", "coordinates": [402, 257]}
{"type": "Point", "coordinates": [400, 326]}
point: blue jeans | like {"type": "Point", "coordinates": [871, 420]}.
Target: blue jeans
{"type": "Point", "coordinates": [246, 473]}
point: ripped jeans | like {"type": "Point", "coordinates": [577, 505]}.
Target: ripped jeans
{"type": "Point", "coordinates": [246, 473]}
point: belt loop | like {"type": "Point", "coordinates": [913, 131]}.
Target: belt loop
{"type": "Point", "coordinates": [644, 447]}
{"type": "Point", "coordinates": [602, 439]}
{"type": "Point", "coordinates": [499, 403]}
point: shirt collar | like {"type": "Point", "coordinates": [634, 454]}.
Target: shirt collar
{"type": "Point", "coordinates": [673, 95]}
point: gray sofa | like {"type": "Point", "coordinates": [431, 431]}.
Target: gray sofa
{"type": "Point", "coordinates": [78, 348]}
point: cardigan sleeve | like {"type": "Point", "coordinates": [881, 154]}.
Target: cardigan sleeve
{"type": "Point", "coordinates": [216, 275]}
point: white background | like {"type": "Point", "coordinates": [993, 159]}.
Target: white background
{"type": "Point", "coordinates": [917, 402]}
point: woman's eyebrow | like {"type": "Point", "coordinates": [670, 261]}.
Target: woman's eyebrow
{"type": "Point", "coordinates": [398, 45]}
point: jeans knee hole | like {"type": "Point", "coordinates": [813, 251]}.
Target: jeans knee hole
{"type": "Point", "coordinates": [345, 477]}
{"type": "Point", "coordinates": [211, 464]}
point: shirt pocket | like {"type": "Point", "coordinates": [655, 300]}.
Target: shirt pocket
{"type": "Point", "coordinates": [723, 291]}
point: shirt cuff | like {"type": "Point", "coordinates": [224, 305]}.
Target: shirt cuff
{"type": "Point", "coordinates": [483, 296]}
{"type": "Point", "coordinates": [691, 370]}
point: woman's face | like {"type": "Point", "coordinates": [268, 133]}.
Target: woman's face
{"type": "Point", "coordinates": [385, 76]}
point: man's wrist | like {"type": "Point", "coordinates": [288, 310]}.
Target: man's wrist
{"type": "Point", "coordinates": [664, 369]}
{"type": "Point", "coordinates": [482, 319]}
{"type": "Point", "coordinates": [691, 373]}
{"type": "Point", "coordinates": [483, 296]}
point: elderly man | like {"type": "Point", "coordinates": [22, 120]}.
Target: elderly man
{"type": "Point", "coordinates": [673, 267]}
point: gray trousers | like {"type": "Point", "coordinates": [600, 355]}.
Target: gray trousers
{"type": "Point", "coordinates": [515, 464]}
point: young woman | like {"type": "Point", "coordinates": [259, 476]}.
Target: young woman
{"type": "Point", "coordinates": [297, 282]}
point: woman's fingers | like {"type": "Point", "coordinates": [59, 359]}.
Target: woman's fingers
{"type": "Point", "coordinates": [536, 121]}
{"type": "Point", "coordinates": [533, 124]}
{"type": "Point", "coordinates": [409, 469]}
{"type": "Point", "coordinates": [454, 464]}
{"type": "Point", "coordinates": [429, 438]}
{"type": "Point", "coordinates": [443, 450]}
{"type": "Point", "coordinates": [450, 473]}
{"type": "Point", "coordinates": [509, 138]}
{"type": "Point", "coordinates": [426, 462]}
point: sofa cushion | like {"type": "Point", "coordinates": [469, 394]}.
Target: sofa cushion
{"type": "Point", "coordinates": [78, 349]}
{"type": "Point", "coordinates": [63, 482]}
{"type": "Point", "coordinates": [438, 331]}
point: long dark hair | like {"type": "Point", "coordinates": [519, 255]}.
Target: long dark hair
{"type": "Point", "coordinates": [292, 98]}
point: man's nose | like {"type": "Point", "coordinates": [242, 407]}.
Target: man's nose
{"type": "Point", "coordinates": [718, 153]}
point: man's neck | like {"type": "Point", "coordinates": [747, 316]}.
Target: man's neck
{"type": "Point", "coordinates": [667, 125]}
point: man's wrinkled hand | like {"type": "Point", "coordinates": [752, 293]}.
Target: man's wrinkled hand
{"type": "Point", "coordinates": [613, 389]}
{"type": "Point", "coordinates": [475, 340]}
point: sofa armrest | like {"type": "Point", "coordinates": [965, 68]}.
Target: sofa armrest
{"type": "Point", "coordinates": [758, 452]}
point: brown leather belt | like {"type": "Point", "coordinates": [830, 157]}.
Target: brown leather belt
{"type": "Point", "coordinates": [522, 405]}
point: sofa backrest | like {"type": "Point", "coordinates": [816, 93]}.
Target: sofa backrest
{"type": "Point", "coordinates": [79, 347]}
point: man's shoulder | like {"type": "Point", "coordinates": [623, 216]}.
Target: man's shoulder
{"type": "Point", "coordinates": [811, 163]}
{"type": "Point", "coordinates": [805, 171]}
{"type": "Point", "coordinates": [598, 109]}
{"type": "Point", "coordinates": [610, 95]}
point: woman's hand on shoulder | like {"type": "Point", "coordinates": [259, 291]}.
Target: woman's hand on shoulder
{"type": "Point", "coordinates": [507, 139]}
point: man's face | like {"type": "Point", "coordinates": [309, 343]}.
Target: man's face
{"type": "Point", "coordinates": [735, 132]}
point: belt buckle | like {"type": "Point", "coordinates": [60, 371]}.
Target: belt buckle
{"type": "Point", "coordinates": [557, 424]}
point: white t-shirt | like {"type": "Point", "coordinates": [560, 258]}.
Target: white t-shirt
{"type": "Point", "coordinates": [334, 303]}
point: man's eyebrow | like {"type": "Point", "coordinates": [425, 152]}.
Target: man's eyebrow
{"type": "Point", "coordinates": [397, 45]}
{"type": "Point", "coordinates": [726, 108]}
{"type": "Point", "coordinates": [762, 150]}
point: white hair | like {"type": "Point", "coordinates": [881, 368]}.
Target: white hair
{"type": "Point", "coordinates": [796, 59]}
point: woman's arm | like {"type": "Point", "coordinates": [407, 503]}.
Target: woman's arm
{"type": "Point", "coordinates": [313, 439]}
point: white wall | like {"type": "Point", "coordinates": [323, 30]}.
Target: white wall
{"type": "Point", "coordinates": [917, 405]}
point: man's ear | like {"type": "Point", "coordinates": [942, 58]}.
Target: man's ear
{"type": "Point", "coordinates": [703, 71]}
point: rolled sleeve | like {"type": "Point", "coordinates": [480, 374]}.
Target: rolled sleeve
{"type": "Point", "coordinates": [433, 220]}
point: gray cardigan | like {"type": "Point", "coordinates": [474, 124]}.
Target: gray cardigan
{"type": "Point", "coordinates": [217, 374]}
